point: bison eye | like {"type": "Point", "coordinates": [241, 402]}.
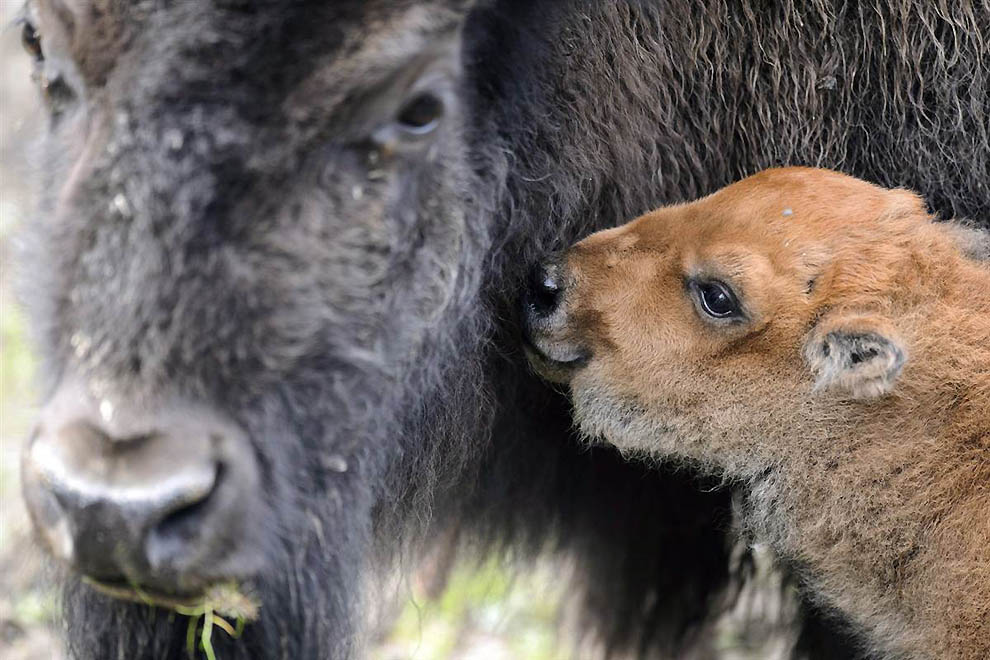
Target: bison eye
{"type": "Point", "coordinates": [718, 300]}
{"type": "Point", "coordinates": [421, 115]}
{"type": "Point", "coordinates": [31, 40]}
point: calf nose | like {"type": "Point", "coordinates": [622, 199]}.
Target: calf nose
{"type": "Point", "coordinates": [545, 288]}
{"type": "Point", "coordinates": [159, 499]}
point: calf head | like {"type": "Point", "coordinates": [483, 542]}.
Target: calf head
{"type": "Point", "coordinates": [781, 303]}
{"type": "Point", "coordinates": [250, 255]}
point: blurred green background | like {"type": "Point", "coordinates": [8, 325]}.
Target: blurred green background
{"type": "Point", "coordinates": [26, 608]}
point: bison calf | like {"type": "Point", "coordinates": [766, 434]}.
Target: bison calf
{"type": "Point", "coordinates": [820, 342]}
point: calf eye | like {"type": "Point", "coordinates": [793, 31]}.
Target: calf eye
{"type": "Point", "coordinates": [421, 115]}
{"type": "Point", "coordinates": [718, 300]}
{"type": "Point", "coordinates": [31, 40]}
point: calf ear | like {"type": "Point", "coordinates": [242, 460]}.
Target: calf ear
{"type": "Point", "coordinates": [858, 355]}
{"type": "Point", "coordinates": [971, 239]}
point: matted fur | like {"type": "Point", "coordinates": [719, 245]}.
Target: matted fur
{"type": "Point", "coordinates": [853, 413]}
{"type": "Point", "coordinates": [378, 326]}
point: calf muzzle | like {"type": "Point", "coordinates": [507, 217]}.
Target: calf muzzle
{"type": "Point", "coordinates": [548, 332]}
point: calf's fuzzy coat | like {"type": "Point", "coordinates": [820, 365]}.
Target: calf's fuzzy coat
{"type": "Point", "coordinates": [848, 395]}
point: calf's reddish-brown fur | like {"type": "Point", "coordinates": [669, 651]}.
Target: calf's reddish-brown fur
{"type": "Point", "coordinates": [850, 398]}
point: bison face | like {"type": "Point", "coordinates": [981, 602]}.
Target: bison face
{"type": "Point", "coordinates": [252, 242]}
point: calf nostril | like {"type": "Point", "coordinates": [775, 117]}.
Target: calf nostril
{"type": "Point", "coordinates": [545, 288]}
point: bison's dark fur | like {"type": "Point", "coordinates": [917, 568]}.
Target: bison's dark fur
{"type": "Point", "coordinates": [226, 236]}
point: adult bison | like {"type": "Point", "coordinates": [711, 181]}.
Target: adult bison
{"type": "Point", "coordinates": [272, 270]}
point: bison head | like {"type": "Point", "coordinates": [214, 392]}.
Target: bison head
{"type": "Point", "coordinates": [248, 272]}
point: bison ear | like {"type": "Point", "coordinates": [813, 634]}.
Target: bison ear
{"type": "Point", "coordinates": [860, 356]}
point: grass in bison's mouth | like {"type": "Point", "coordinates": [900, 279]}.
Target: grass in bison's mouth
{"type": "Point", "coordinates": [211, 608]}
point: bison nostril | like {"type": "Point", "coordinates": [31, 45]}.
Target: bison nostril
{"type": "Point", "coordinates": [163, 501]}
{"type": "Point", "coordinates": [545, 288]}
{"type": "Point", "coordinates": [170, 538]}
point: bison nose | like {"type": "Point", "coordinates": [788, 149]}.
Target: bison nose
{"type": "Point", "coordinates": [157, 499]}
{"type": "Point", "coordinates": [545, 288]}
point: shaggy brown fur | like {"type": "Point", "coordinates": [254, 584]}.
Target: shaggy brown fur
{"type": "Point", "coordinates": [850, 394]}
